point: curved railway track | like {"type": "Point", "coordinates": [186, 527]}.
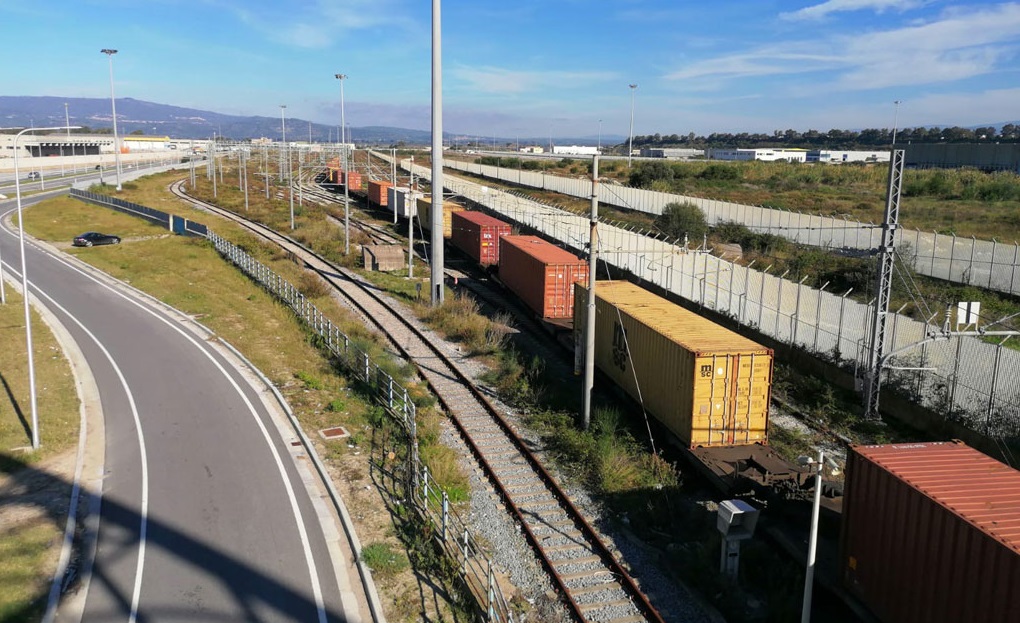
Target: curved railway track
{"type": "Point", "coordinates": [594, 584]}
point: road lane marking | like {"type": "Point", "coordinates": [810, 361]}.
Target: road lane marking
{"type": "Point", "coordinates": [288, 485]}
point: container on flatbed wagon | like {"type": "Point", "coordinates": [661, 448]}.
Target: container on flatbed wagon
{"type": "Point", "coordinates": [478, 235]}
{"type": "Point", "coordinates": [705, 383]}
{"type": "Point", "coordinates": [377, 193]}
{"type": "Point", "coordinates": [541, 274]}
{"type": "Point", "coordinates": [425, 215]}
{"type": "Point", "coordinates": [403, 200]}
{"type": "Point", "coordinates": [931, 533]}
{"type": "Point", "coordinates": [352, 179]}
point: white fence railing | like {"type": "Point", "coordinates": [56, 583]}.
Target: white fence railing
{"type": "Point", "coordinates": [985, 263]}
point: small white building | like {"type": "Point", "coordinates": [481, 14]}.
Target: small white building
{"type": "Point", "coordinates": [532, 149]}
{"type": "Point", "coordinates": [766, 154]}
{"type": "Point", "coordinates": [835, 157]}
{"type": "Point", "coordinates": [575, 150]}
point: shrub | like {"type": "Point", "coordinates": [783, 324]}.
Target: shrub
{"type": "Point", "coordinates": [720, 172]}
{"type": "Point", "coordinates": [678, 219]}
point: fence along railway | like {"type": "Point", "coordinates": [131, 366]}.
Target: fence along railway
{"type": "Point", "coordinates": [594, 584]}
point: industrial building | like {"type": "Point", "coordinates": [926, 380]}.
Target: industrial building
{"type": "Point", "coordinates": [834, 157]}
{"type": "Point", "coordinates": [575, 150]}
{"type": "Point", "coordinates": [671, 153]}
{"type": "Point", "coordinates": [62, 144]}
{"type": "Point", "coordinates": [767, 154]}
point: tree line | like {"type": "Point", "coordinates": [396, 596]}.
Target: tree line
{"type": "Point", "coordinates": [835, 139]}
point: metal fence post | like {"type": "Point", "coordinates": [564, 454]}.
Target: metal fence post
{"type": "Point", "coordinates": [952, 258]}
{"type": "Point", "coordinates": [991, 263]}
{"type": "Point", "coordinates": [818, 315]}
{"type": "Point", "coordinates": [970, 268]}
{"type": "Point", "coordinates": [467, 552]}
{"type": "Point", "coordinates": [991, 392]}
{"type": "Point", "coordinates": [446, 515]}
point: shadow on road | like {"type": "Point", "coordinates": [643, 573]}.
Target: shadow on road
{"type": "Point", "coordinates": [258, 596]}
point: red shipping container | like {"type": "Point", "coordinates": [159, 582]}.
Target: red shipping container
{"type": "Point", "coordinates": [353, 179]}
{"type": "Point", "coordinates": [377, 192]}
{"type": "Point", "coordinates": [931, 533]}
{"type": "Point", "coordinates": [478, 235]}
{"type": "Point", "coordinates": [541, 273]}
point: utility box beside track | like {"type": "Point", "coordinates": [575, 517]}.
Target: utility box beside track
{"type": "Point", "coordinates": [705, 383]}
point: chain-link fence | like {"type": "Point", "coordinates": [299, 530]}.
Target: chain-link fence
{"type": "Point", "coordinates": [986, 263]}
{"type": "Point", "coordinates": [963, 378]}
{"type": "Point", "coordinates": [450, 531]}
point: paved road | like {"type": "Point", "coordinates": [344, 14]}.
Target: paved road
{"type": "Point", "coordinates": [204, 515]}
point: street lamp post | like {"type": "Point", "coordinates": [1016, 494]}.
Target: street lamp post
{"type": "Point", "coordinates": [630, 142]}
{"type": "Point", "coordinates": [600, 137]}
{"type": "Point", "coordinates": [113, 103]}
{"type": "Point", "coordinates": [343, 167]}
{"type": "Point", "coordinates": [24, 289]}
{"type": "Point", "coordinates": [283, 137]}
{"type": "Point", "coordinates": [896, 114]}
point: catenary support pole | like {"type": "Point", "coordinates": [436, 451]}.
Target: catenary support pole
{"type": "Point", "coordinates": [437, 156]}
{"type": "Point", "coordinates": [589, 327]}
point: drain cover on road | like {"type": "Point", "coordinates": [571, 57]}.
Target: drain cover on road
{"type": "Point", "coordinates": [337, 432]}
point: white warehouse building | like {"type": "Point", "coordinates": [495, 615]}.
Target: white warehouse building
{"type": "Point", "coordinates": [768, 154]}
{"type": "Point", "coordinates": [575, 150]}
{"type": "Point", "coordinates": [834, 157]}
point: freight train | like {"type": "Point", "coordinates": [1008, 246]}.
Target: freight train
{"type": "Point", "coordinates": [929, 532]}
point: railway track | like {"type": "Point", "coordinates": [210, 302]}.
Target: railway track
{"type": "Point", "coordinates": [594, 585]}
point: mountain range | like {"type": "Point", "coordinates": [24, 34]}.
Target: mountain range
{"type": "Point", "coordinates": [161, 119]}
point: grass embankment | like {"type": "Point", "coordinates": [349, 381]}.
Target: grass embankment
{"type": "Point", "coordinates": [35, 486]}
{"type": "Point", "coordinates": [188, 274]}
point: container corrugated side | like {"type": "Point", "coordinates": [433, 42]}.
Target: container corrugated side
{"type": "Point", "coordinates": [708, 385]}
{"type": "Point", "coordinates": [425, 215]}
{"type": "Point", "coordinates": [478, 235]}
{"type": "Point", "coordinates": [931, 533]}
{"type": "Point", "coordinates": [377, 192]}
{"type": "Point", "coordinates": [541, 274]}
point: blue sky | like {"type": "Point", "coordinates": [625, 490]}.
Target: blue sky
{"type": "Point", "coordinates": [535, 67]}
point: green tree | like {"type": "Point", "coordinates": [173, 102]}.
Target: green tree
{"type": "Point", "coordinates": [679, 218]}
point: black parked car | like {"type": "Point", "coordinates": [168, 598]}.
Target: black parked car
{"type": "Point", "coordinates": [90, 238]}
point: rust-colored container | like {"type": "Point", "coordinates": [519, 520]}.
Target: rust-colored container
{"type": "Point", "coordinates": [425, 215]}
{"type": "Point", "coordinates": [377, 192]}
{"type": "Point", "coordinates": [705, 383]}
{"type": "Point", "coordinates": [478, 235]}
{"type": "Point", "coordinates": [353, 179]}
{"type": "Point", "coordinates": [931, 534]}
{"type": "Point", "coordinates": [541, 273]}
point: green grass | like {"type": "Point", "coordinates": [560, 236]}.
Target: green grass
{"type": "Point", "coordinates": [383, 559]}
{"type": "Point", "coordinates": [28, 546]}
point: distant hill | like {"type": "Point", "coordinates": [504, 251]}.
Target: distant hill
{"type": "Point", "coordinates": [162, 119]}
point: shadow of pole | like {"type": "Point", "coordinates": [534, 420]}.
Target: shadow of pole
{"type": "Point", "coordinates": [255, 594]}
{"type": "Point", "coordinates": [17, 408]}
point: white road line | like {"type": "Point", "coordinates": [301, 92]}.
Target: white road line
{"type": "Point", "coordinates": [298, 517]}
{"type": "Point", "coordinates": [143, 527]}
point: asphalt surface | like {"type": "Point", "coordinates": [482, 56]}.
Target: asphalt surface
{"type": "Point", "coordinates": [204, 515]}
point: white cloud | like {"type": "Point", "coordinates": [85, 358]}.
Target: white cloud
{"type": "Point", "coordinates": [318, 24]}
{"type": "Point", "coordinates": [509, 81]}
{"type": "Point", "coordinates": [955, 47]}
{"type": "Point", "coordinates": [820, 11]}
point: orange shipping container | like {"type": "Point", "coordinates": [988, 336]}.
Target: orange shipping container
{"type": "Point", "coordinates": [377, 192]}
{"type": "Point", "coordinates": [478, 235]}
{"type": "Point", "coordinates": [931, 533]}
{"type": "Point", "coordinates": [705, 383]}
{"type": "Point", "coordinates": [541, 273]}
{"type": "Point", "coordinates": [352, 179]}
{"type": "Point", "coordinates": [425, 215]}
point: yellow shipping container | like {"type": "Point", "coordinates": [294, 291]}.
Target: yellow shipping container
{"type": "Point", "coordinates": [425, 215]}
{"type": "Point", "coordinates": [707, 384]}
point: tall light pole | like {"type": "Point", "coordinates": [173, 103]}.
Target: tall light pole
{"type": "Point", "coordinates": [24, 290]}
{"type": "Point", "coordinates": [113, 103]}
{"type": "Point", "coordinates": [600, 137]}
{"type": "Point", "coordinates": [630, 142]}
{"type": "Point", "coordinates": [343, 167]}
{"type": "Point", "coordinates": [437, 156]}
{"type": "Point", "coordinates": [283, 136]}
{"type": "Point", "coordinates": [67, 122]}
{"type": "Point", "coordinates": [896, 114]}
